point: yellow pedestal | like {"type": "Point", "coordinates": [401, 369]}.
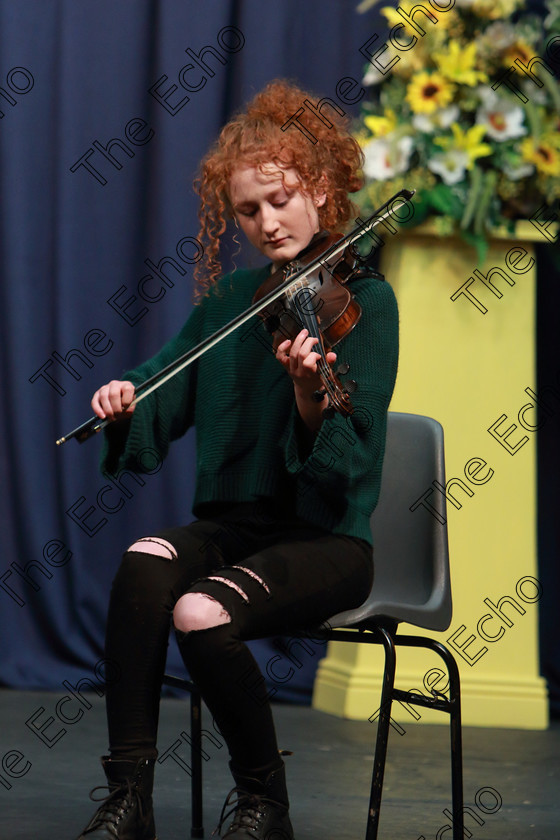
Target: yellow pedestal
{"type": "Point", "coordinates": [467, 358]}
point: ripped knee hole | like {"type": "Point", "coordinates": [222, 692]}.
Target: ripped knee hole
{"type": "Point", "coordinates": [254, 576]}
{"type": "Point", "coordinates": [199, 611]}
{"type": "Point", "coordinates": [156, 546]}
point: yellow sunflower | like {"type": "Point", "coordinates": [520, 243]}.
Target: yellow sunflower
{"type": "Point", "coordinates": [544, 153]}
{"type": "Point", "coordinates": [427, 92]}
{"type": "Point", "coordinates": [521, 50]}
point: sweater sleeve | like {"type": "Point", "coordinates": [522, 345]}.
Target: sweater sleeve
{"type": "Point", "coordinates": [161, 417]}
{"type": "Point", "coordinates": [343, 466]}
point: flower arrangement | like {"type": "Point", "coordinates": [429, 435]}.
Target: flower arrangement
{"type": "Point", "coordinates": [479, 144]}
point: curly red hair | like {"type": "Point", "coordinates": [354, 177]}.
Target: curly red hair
{"type": "Point", "coordinates": [253, 138]}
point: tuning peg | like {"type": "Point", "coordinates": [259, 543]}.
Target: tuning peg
{"type": "Point", "coordinates": [328, 412]}
{"type": "Point", "coordinates": [350, 386]}
{"type": "Point", "coordinates": [318, 396]}
{"type": "Point", "coordinates": [343, 368]}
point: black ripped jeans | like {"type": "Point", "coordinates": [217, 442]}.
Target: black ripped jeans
{"type": "Point", "coordinates": [310, 576]}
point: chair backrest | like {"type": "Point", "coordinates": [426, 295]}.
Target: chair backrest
{"type": "Point", "coordinates": [411, 557]}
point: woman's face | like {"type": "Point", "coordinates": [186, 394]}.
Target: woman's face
{"type": "Point", "coordinates": [275, 216]}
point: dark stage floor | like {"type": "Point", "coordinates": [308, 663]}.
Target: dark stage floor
{"type": "Point", "coordinates": [513, 774]}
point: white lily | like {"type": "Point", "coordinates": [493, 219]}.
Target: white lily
{"type": "Point", "coordinates": [373, 76]}
{"type": "Point", "coordinates": [386, 157]}
{"type": "Point", "coordinates": [502, 117]}
{"type": "Point", "coordinates": [450, 166]}
{"type": "Point", "coordinates": [501, 34]}
{"type": "Point", "coordinates": [515, 173]}
{"type": "Point", "coordinates": [442, 118]}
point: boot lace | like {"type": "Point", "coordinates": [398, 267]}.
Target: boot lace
{"type": "Point", "coordinates": [116, 804]}
{"type": "Point", "coordinates": [249, 810]}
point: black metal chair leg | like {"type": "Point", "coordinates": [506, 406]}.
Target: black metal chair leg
{"type": "Point", "coordinates": [197, 827]}
{"type": "Point", "coordinates": [456, 740]}
{"type": "Point", "coordinates": [197, 824]}
{"type": "Point", "coordinates": [453, 709]}
{"type": "Point", "coordinates": [383, 725]}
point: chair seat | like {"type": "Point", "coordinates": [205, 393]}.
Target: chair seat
{"type": "Point", "coordinates": [428, 615]}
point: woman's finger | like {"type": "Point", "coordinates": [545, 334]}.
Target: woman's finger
{"type": "Point", "coordinates": [113, 399]}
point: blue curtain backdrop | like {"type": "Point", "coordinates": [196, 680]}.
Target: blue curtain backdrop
{"type": "Point", "coordinates": [102, 126]}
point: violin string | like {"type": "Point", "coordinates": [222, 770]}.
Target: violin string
{"type": "Point", "coordinates": [310, 322]}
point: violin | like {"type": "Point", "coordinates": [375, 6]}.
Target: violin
{"type": "Point", "coordinates": [320, 303]}
{"type": "Point", "coordinates": [311, 292]}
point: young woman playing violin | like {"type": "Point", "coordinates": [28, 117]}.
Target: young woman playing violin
{"type": "Point", "coordinates": [284, 493]}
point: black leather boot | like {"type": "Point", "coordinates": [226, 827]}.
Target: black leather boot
{"type": "Point", "coordinates": [126, 812]}
{"type": "Point", "coordinates": [261, 809]}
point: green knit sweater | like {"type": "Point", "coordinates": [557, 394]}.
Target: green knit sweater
{"type": "Point", "coordinates": [251, 442]}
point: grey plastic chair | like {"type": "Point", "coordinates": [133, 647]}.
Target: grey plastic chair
{"type": "Point", "coordinates": [411, 584]}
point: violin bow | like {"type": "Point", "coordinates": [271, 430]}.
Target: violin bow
{"type": "Point", "coordinates": [96, 424]}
